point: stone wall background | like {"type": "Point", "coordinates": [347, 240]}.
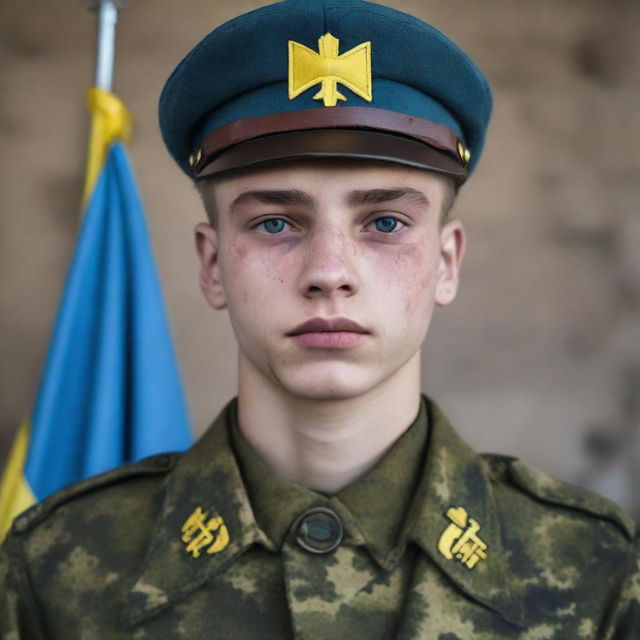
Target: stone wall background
{"type": "Point", "coordinates": [540, 355]}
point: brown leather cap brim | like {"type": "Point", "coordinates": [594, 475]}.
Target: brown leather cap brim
{"type": "Point", "coordinates": [362, 144]}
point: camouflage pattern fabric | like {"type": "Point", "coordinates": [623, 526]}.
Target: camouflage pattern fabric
{"type": "Point", "coordinates": [439, 543]}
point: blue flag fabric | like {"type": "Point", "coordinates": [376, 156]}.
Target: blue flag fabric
{"type": "Point", "coordinates": [111, 391]}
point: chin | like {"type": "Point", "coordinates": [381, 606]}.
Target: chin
{"type": "Point", "coordinates": [326, 383]}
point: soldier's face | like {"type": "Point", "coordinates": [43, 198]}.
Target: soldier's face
{"type": "Point", "coordinates": [334, 244]}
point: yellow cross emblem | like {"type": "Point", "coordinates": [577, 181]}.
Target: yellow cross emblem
{"type": "Point", "coordinates": [197, 533]}
{"type": "Point", "coordinates": [307, 68]}
{"type": "Point", "coordinates": [460, 539]}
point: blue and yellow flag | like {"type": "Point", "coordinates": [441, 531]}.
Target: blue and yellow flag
{"type": "Point", "coordinates": [110, 392]}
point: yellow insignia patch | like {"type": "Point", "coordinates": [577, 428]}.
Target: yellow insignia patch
{"type": "Point", "coordinates": [197, 533]}
{"type": "Point", "coordinates": [352, 69]}
{"type": "Point", "coordinates": [460, 540]}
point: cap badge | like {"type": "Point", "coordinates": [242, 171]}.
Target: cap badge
{"type": "Point", "coordinates": [197, 533]}
{"type": "Point", "coordinates": [460, 540]}
{"type": "Point", "coordinates": [308, 68]}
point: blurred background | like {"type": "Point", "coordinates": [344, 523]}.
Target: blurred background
{"type": "Point", "coordinates": [540, 355]}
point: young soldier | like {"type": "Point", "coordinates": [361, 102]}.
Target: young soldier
{"type": "Point", "coordinates": [330, 500]}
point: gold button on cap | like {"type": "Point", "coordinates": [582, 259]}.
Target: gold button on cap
{"type": "Point", "coordinates": [464, 154]}
{"type": "Point", "coordinates": [194, 158]}
{"type": "Point", "coordinates": [318, 530]}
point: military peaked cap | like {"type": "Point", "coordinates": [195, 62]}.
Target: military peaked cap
{"type": "Point", "coordinates": [325, 78]}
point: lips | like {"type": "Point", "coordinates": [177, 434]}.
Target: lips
{"type": "Point", "coordinates": [327, 325]}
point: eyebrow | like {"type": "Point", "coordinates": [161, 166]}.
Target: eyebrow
{"type": "Point", "coordinates": [295, 197]}
{"type": "Point", "coordinates": [378, 196]}
{"type": "Point", "coordinates": [286, 197]}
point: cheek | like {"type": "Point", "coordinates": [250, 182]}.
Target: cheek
{"type": "Point", "coordinates": [419, 291]}
{"type": "Point", "coordinates": [239, 251]}
{"type": "Point", "coordinates": [251, 272]}
{"type": "Point", "coordinates": [408, 273]}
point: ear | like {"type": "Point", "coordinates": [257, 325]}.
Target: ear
{"type": "Point", "coordinates": [452, 246]}
{"type": "Point", "coordinates": [206, 238]}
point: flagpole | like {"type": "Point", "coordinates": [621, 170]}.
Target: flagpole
{"type": "Point", "coordinates": [110, 119]}
{"type": "Point", "coordinates": [107, 19]}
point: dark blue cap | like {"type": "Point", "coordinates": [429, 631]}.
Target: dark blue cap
{"type": "Point", "coordinates": [262, 86]}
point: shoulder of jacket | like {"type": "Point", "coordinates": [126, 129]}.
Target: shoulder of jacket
{"type": "Point", "coordinates": [543, 487]}
{"type": "Point", "coordinates": [153, 465]}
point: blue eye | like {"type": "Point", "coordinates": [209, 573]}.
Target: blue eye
{"type": "Point", "coordinates": [387, 224]}
{"type": "Point", "coordinates": [274, 225]}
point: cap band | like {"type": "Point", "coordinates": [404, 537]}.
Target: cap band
{"type": "Point", "coordinates": [439, 147]}
{"type": "Point", "coordinates": [361, 144]}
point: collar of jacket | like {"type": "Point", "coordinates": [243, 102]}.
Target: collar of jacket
{"type": "Point", "coordinates": [207, 476]}
{"type": "Point", "coordinates": [372, 509]}
{"type": "Point", "coordinates": [454, 476]}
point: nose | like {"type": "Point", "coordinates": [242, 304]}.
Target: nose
{"type": "Point", "coordinates": [328, 265]}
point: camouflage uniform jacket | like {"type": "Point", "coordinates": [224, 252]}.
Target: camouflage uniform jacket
{"type": "Point", "coordinates": [481, 547]}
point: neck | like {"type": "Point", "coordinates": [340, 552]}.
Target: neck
{"type": "Point", "coordinates": [325, 444]}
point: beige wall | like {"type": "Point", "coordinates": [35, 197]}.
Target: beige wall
{"type": "Point", "coordinates": [542, 346]}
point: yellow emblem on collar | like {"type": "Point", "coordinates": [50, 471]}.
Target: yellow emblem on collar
{"type": "Point", "coordinates": [460, 539]}
{"type": "Point", "coordinates": [352, 69]}
{"type": "Point", "coordinates": [198, 534]}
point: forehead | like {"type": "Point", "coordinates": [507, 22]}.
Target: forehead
{"type": "Point", "coordinates": [328, 179]}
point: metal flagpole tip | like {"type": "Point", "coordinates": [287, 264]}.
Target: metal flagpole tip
{"type": "Point", "coordinates": [94, 5]}
{"type": "Point", "coordinates": [107, 11]}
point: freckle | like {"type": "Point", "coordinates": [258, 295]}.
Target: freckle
{"type": "Point", "coordinates": [240, 251]}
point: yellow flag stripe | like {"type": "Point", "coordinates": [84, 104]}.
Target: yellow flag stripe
{"type": "Point", "coordinates": [15, 494]}
{"type": "Point", "coordinates": [110, 121]}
